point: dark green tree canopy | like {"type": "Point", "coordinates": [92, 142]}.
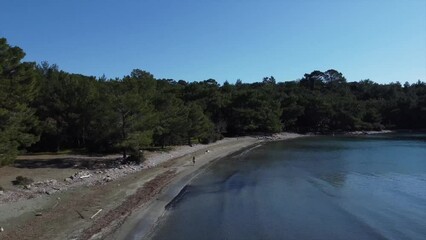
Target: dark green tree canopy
{"type": "Point", "coordinates": [45, 109]}
{"type": "Point", "coordinates": [18, 88]}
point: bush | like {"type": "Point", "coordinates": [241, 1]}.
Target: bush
{"type": "Point", "coordinates": [136, 157]}
{"type": "Point", "coordinates": [1, 188]}
{"type": "Point", "coordinates": [20, 180]}
{"type": "Point", "coordinates": [7, 156]}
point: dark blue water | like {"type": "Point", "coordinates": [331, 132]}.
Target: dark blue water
{"type": "Point", "coordinates": [370, 187]}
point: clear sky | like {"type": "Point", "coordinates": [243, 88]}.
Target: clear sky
{"type": "Point", "coordinates": [383, 40]}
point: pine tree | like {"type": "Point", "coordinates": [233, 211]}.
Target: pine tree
{"type": "Point", "coordinates": [18, 87]}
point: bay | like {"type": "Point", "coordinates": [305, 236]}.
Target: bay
{"type": "Point", "coordinates": [358, 187]}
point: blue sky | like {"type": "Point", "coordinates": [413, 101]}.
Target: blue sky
{"type": "Point", "coordinates": [383, 40]}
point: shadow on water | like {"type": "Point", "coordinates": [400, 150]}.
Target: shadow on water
{"type": "Point", "coordinates": [395, 136]}
{"type": "Point", "coordinates": [175, 201]}
{"type": "Point", "coordinates": [233, 182]}
{"type": "Point", "coordinates": [315, 145]}
{"type": "Point", "coordinates": [334, 179]}
{"type": "Point", "coordinates": [337, 143]}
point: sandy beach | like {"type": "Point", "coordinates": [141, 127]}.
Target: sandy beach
{"type": "Point", "coordinates": [110, 203]}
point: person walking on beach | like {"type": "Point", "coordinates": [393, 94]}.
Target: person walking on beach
{"type": "Point", "coordinates": [193, 160]}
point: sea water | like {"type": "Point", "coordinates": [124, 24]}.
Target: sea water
{"type": "Point", "coordinates": [358, 187]}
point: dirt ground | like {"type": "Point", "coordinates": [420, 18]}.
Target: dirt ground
{"type": "Point", "coordinates": [99, 186]}
{"type": "Point", "coordinates": [58, 167]}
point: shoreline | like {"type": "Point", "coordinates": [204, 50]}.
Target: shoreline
{"type": "Point", "coordinates": [135, 193]}
{"type": "Point", "coordinates": [69, 211]}
{"type": "Point", "coordinates": [143, 221]}
{"type": "Point", "coordinates": [357, 133]}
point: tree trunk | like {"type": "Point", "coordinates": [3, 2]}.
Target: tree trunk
{"type": "Point", "coordinates": [124, 154]}
{"type": "Point", "coordinates": [189, 141]}
{"type": "Point", "coordinates": [163, 143]}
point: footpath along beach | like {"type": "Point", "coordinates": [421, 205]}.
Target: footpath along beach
{"type": "Point", "coordinates": [109, 204]}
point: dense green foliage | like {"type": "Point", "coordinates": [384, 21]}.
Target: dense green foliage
{"type": "Point", "coordinates": [45, 109]}
{"type": "Point", "coordinates": [18, 89]}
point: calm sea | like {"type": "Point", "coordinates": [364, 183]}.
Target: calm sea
{"type": "Point", "coordinates": [364, 187]}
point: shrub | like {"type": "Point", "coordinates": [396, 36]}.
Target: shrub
{"type": "Point", "coordinates": [1, 188]}
{"type": "Point", "coordinates": [135, 157]}
{"type": "Point", "coordinates": [20, 180]}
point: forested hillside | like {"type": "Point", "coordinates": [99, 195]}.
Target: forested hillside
{"type": "Point", "coordinates": [43, 108]}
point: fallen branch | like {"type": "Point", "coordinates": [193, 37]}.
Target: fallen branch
{"type": "Point", "coordinates": [81, 215]}
{"type": "Point", "coordinates": [85, 176]}
{"type": "Point", "coordinates": [94, 215]}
